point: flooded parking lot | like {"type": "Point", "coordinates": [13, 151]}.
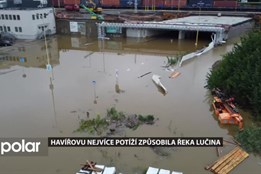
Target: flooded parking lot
{"type": "Point", "coordinates": [36, 102]}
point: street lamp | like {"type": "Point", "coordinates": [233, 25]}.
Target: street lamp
{"type": "Point", "coordinates": [48, 66]}
{"type": "Point", "coordinates": [196, 43]}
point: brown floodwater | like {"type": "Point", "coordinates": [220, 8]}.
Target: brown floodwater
{"type": "Point", "coordinates": [35, 102]}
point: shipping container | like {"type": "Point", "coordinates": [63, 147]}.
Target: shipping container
{"type": "Point", "coordinates": [58, 3]}
{"type": "Point", "coordinates": [225, 4]}
{"type": "Point", "coordinates": [71, 2]}
{"type": "Point", "coordinates": [200, 3]}
{"type": "Point", "coordinates": [153, 3]}
{"type": "Point", "coordinates": [163, 3]}
{"type": "Point", "coordinates": [157, 4]}
{"type": "Point", "coordinates": [129, 3]}
{"type": "Point", "coordinates": [175, 3]}
{"type": "Point", "coordinates": [110, 3]}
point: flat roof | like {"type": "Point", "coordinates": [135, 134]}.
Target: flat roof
{"type": "Point", "coordinates": [211, 20]}
{"type": "Point", "coordinates": [23, 8]}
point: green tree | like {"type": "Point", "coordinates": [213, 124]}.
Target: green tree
{"type": "Point", "coordinates": [239, 73]}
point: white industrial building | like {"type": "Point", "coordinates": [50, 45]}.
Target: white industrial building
{"type": "Point", "coordinates": [28, 23]}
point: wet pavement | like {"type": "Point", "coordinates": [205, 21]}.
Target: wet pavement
{"type": "Point", "coordinates": [39, 103]}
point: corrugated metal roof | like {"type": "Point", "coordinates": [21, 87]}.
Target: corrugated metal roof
{"type": "Point", "coordinates": [223, 20]}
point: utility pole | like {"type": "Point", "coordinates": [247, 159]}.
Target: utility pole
{"type": "Point", "coordinates": [196, 43]}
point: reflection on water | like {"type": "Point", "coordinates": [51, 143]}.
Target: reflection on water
{"type": "Point", "coordinates": [30, 54]}
{"type": "Point", "coordinates": [90, 76]}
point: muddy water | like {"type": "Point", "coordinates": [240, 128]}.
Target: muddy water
{"type": "Point", "coordinates": [39, 103]}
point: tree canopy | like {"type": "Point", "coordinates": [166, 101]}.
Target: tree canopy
{"type": "Point", "coordinates": [239, 73]}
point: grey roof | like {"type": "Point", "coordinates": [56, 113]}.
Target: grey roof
{"type": "Point", "coordinates": [213, 20]}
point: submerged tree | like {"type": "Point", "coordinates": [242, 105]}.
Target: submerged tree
{"type": "Point", "coordinates": [114, 119]}
{"type": "Point", "coordinates": [239, 73]}
{"type": "Point", "coordinates": [95, 125]}
{"type": "Point", "coordinates": [250, 139]}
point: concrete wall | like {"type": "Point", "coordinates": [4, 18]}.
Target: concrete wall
{"type": "Point", "coordinates": [140, 33]}
{"type": "Point", "coordinates": [86, 28]}
{"type": "Point", "coordinates": [239, 29]}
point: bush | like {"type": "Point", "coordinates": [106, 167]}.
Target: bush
{"type": "Point", "coordinates": [97, 125]}
{"type": "Point", "coordinates": [149, 119]}
{"type": "Point", "coordinates": [115, 115]}
{"type": "Point", "coordinates": [239, 73]}
{"type": "Point", "coordinates": [250, 139]}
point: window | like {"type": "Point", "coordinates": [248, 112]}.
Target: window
{"type": "Point", "coordinates": [18, 17]}
{"type": "Point", "coordinates": [45, 15]}
{"type": "Point", "coordinates": [16, 29]}
{"type": "Point", "coordinates": [20, 29]}
{"type": "Point", "coordinates": [6, 17]}
{"type": "Point", "coordinates": [41, 16]}
{"type": "Point", "coordinates": [4, 28]}
{"type": "Point", "coordinates": [37, 16]}
{"type": "Point", "coordinates": [14, 17]}
{"type": "Point", "coordinates": [10, 17]}
{"type": "Point", "coordinates": [8, 29]}
{"type": "Point", "coordinates": [33, 16]}
{"type": "Point", "coordinates": [1, 28]}
{"type": "Point", "coordinates": [3, 17]}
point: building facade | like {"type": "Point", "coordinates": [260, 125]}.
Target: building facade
{"type": "Point", "coordinates": [28, 23]}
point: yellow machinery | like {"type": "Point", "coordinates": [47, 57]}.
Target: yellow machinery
{"type": "Point", "coordinates": [93, 6]}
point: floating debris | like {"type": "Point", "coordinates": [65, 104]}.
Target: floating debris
{"type": "Point", "coordinates": [5, 72]}
{"type": "Point", "coordinates": [91, 167]}
{"type": "Point", "coordinates": [199, 52]}
{"type": "Point", "coordinates": [174, 74]}
{"type": "Point", "coordinates": [153, 170]}
{"type": "Point", "coordinates": [88, 44]}
{"type": "Point", "coordinates": [144, 74]}
{"type": "Point", "coordinates": [114, 123]}
{"type": "Point", "coordinates": [156, 80]}
{"type": "Point", "coordinates": [229, 161]}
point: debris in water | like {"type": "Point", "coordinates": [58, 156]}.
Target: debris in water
{"type": "Point", "coordinates": [174, 74]}
{"type": "Point", "coordinates": [144, 74]}
{"type": "Point", "coordinates": [228, 162]}
{"type": "Point", "coordinates": [88, 44]}
{"type": "Point", "coordinates": [114, 123]}
{"type": "Point", "coordinates": [5, 72]}
{"type": "Point", "coordinates": [156, 80]}
{"type": "Point", "coordinates": [88, 55]}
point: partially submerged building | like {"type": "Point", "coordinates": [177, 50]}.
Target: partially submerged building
{"type": "Point", "coordinates": [28, 23]}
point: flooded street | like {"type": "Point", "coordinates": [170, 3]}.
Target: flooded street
{"type": "Point", "coordinates": [39, 103]}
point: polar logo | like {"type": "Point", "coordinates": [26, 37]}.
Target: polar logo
{"type": "Point", "coordinates": [20, 147]}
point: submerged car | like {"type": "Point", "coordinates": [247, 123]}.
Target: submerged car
{"type": "Point", "coordinates": [5, 42]}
